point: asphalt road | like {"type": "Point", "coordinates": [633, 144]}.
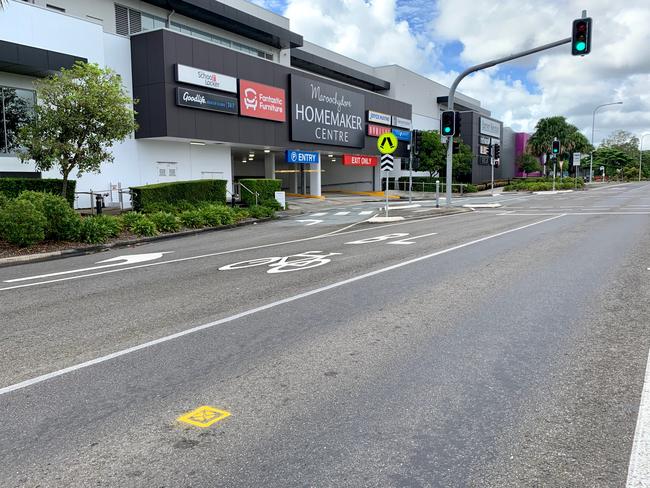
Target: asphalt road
{"type": "Point", "coordinates": [497, 347]}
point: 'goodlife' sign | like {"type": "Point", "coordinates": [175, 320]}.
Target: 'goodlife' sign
{"type": "Point", "coordinates": [325, 114]}
{"type": "Point", "coordinates": [207, 79]}
{"type": "Point", "coordinates": [205, 101]}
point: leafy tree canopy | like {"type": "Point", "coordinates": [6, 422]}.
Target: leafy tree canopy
{"type": "Point", "coordinates": [624, 141]}
{"type": "Point", "coordinates": [81, 113]}
{"type": "Point", "coordinates": [547, 129]}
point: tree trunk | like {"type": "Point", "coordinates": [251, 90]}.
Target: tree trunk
{"type": "Point", "coordinates": [64, 185]}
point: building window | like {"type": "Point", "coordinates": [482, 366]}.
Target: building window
{"type": "Point", "coordinates": [16, 109]}
{"type": "Point", "coordinates": [129, 21]}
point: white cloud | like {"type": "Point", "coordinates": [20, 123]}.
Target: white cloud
{"type": "Point", "coordinates": [617, 68]}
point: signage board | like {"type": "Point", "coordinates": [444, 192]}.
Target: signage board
{"type": "Point", "coordinates": [358, 160]}
{"type": "Point", "coordinates": [387, 143]}
{"type": "Point", "coordinates": [484, 160]}
{"type": "Point", "coordinates": [484, 150]}
{"type": "Point", "coordinates": [206, 79]}
{"type": "Point", "coordinates": [387, 163]}
{"type": "Point", "coordinates": [262, 101]}
{"type": "Point", "coordinates": [378, 117]}
{"type": "Point", "coordinates": [322, 113]}
{"type": "Point", "coordinates": [401, 122]}
{"type": "Point", "coordinates": [377, 130]}
{"type": "Point", "coordinates": [484, 140]}
{"type": "Point", "coordinates": [490, 127]}
{"type": "Point", "coordinates": [205, 101]}
{"type": "Point", "coordinates": [281, 198]}
{"type": "Point", "coordinates": [576, 159]}
{"type": "Point", "coordinates": [402, 135]}
{"type": "Point", "coordinates": [305, 157]}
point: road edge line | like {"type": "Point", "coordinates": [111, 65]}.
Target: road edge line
{"type": "Point", "coordinates": [638, 474]}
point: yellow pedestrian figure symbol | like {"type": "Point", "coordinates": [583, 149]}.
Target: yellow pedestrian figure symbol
{"type": "Point", "coordinates": [387, 143]}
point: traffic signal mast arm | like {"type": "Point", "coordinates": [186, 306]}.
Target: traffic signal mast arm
{"type": "Point", "coordinates": [478, 67]}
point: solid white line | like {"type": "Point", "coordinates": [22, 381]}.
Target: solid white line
{"type": "Point", "coordinates": [638, 474]}
{"type": "Point", "coordinates": [365, 212]}
{"type": "Point", "coordinates": [319, 214]}
{"type": "Point", "coordinates": [333, 233]}
{"type": "Point", "coordinates": [341, 213]}
{"type": "Point", "coordinates": [92, 362]}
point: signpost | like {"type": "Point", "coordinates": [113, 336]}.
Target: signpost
{"type": "Point", "coordinates": [387, 145]}
{"type": "Point", "coordinates": [576, 164]}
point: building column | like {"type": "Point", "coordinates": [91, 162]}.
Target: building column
{"type": "Point", "coordinates": [269, 166]}
{"type": "Point", "coordinates": [314, 178]}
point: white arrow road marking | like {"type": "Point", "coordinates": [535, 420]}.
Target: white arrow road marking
{"type": "Point", "coordinates": [311, 221]}
{"type": "Point", "coordinates": [370, 240]}
{"type": "Point", "coordinates": [410, 239]}
{"type": "Point", "coordinates": [123, 260]}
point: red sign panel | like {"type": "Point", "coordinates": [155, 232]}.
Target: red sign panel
{"type": "Point", "coordinates": [354, 160]}
{"type": "Point", "coordinates": [261, 101]}
{"type": "Point", "coordinates": [377, 130]}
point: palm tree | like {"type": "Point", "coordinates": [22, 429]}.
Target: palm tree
{"type": "Point", "coordinates": [3, 3]}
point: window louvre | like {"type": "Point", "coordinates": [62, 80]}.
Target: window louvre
{"type": "Point", "coordinates": [121, 20]}
{"type": "Point", "coordinates": [135, 21]}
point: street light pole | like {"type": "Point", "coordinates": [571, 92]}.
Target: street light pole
{"type": "Point", "coordinates": [593, 124]}
{"type": "Point", "coordinates": [641, 151]}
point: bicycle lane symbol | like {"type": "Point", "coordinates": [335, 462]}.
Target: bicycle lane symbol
{"type": "Point", "coordinates": [286, 264]}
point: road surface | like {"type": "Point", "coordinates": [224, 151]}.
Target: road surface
{"type": "Point", "coordinates": [496, 347]}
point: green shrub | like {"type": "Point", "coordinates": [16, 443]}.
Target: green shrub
{"type": "Point", "coordinates": [264, 187]}
{"type": "Point", "coordinates": [12, 187]}
{"type": "Point", "coordinates": [469, 188]}
{"type": "Point", "coordinates": [166, 222]}
{"type": "Point", "coordinates": [98, 229]}
{"type": "Point", "coordinates": [241, 214]}
{"type": "Point", "coordinates": [216, 215]}
{"type": "Point", "coordinates": [144, 226]}
{"type": "Point", "coordinates": [273, 203]}
{"type": "Point", "coordinates": [146, 197]}
{"type": "Point", "coordinates": [192, 219]}
{"type": "Point", "coordinates": [159, 207]}
{"type": "Point", "coordinates": [4, 200]}
{"type": "Point", "coordinates": [21, 223]}
{"type": "Point", "coordinates": [63, 222]}
{"type": "Point", "coordinates": [260, 212]}
{"type": "Point", "coordinates": [130, 218]}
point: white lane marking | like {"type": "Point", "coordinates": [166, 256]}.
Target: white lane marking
{"type": "Point", "coordinates": [294, 262]}
{"type": "Point", "coordinates": [638, 474]}
{"type": "Point", "coordinates": [311, 221]}
{"type": "Point", "coordinates": [123, 352]}
{"type": "Point", "coordinates": [410, 240]}
{"type": "Point", "coordinates": [371, 240]}
{"type": "Point", "coordinates": [400, 207]}
{"type": "Point", "coordinates": [319, 214]}
{"type": "Point", "coordinates": [342, 213]}
{"type": "Point", "coordinates": [125, 260]}
{"type": "Point", "coordinates": [365, 212]}
{"type": "Point", "coordinates": [333, 233]}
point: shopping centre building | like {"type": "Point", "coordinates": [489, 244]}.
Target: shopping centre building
{"type": "Point", "coordinates": [225, 90]}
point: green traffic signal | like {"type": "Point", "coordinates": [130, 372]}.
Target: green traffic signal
{"type": "Point", "coordinates": [447, 130]}
{"type": "Point", "coordinates": [581, 46]}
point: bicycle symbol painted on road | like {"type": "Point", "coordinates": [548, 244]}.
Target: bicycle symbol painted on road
{"type": "Point", "coordinates": [286, 264]}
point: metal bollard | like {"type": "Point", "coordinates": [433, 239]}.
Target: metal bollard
{"type": "Point", "coordinates": [437, 194]}
{"type": "Point", "coordinates": [98, 204]}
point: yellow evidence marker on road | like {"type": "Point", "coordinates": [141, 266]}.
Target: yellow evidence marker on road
{"type": "Point", "coordinates": [203, 416]}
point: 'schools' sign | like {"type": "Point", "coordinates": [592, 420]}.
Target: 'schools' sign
{"type": "Point", "coordinates": [304, 157]}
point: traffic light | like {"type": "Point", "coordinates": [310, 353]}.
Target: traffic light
{"type": "Point", "coordinates": [456, 147]}
{"type": "Point", "coordinates": [448, 123]}
{"type": "Point", "coordinates": [416, 137]}
{"type": "Point", "coordinates": [581, 37]}
{"type": "Point", "coordinates": [497, 151]}
{"type": "Point", "coordinates": [556, 148]}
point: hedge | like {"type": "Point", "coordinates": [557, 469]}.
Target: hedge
{"type": "Point", "coordinates": [188, 191]}
{"type": "Point", "coordinates": [12, 187]}
{"type": "Point", "coordinates": [265, 188]}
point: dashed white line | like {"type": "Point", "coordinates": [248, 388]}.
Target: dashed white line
{"type": "Point", "coordinates": [342, 213]}
{"type": "Point", "coordinates": [319, 214]}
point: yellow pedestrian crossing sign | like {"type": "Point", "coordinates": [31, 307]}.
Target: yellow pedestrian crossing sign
{"type": "Point", "coordinates": [387, 143]}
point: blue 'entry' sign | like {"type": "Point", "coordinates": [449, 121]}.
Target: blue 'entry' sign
{"type": "Point", "coordinates": [304, 157]}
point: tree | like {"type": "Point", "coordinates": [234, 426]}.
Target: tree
{"type": "Point", "coordinates": [432, 153]}
{"type": "Point", "coordinates": [614, 160]}
{"type": "Point", "coordinates": [462, 162]}
{"type": "Point", "coordinates": [81, 112]}
{"type": "Point", "coordinates": [528, 163]}
{"type": "Point", "coordinates": [624, 141]}
{"type": "Point", "coordinates": [547, 129]}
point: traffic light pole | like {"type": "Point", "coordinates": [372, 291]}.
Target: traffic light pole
{"type": "Point", "coordinates": [473, 69]}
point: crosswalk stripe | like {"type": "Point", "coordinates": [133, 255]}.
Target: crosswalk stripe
{"type": "Point", "coordinates": [341, 213]}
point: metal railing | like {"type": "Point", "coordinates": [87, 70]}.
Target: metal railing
{"type": "Point", "coordinates": [424, 187]}
{"type": "Point", "coordinates": [242, 186]}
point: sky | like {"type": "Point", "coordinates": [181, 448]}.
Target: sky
{"type": "Point", "coordinates": [440, 38]}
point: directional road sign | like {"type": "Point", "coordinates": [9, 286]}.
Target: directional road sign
{"type": "Point", "coordinates": [387, 162]}
{"type": "Point", "coordinates": [387, 143]}
{"type": "Point", "coordinates": [576, 159]}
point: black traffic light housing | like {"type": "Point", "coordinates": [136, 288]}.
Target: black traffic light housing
{"type": "Point", "coordinates": [448, 123]}
{"type": "Point", "coordinates": [497, 151]}
{"type": "Point", "coordinates": [455, 147]}
{"type": "Point", "coordinates": [556, 148]}
{"type": "Point", "coordinates": [581, 37]}
{"type": "Point", "coordinates": [416, 138]}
